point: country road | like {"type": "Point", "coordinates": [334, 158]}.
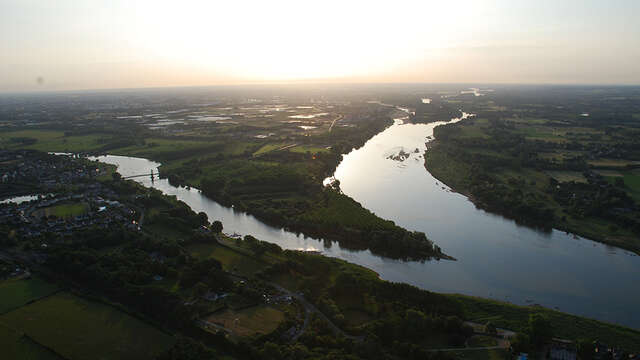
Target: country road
{"type": "Point", "coordinates": [310, 308]}
{"type": "Point", "coordinates": [334, 122]}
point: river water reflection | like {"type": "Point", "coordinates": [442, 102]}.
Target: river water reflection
{"type": "Point", "coordinates": [496, 258]}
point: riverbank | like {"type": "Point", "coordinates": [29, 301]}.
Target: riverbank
{"type": "Point", "coordinates": [457, 175]}
{"type": "Point", "coordinates": [285, 189]}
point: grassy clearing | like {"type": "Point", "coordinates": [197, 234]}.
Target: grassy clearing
{"type": "Point", "coordinates": [16, 293]}
{"type": "Point", "coordinates": [17, 346]}
{"type": "Point", "coordinates": [230, 259]}
{"type": "Point", "coordinates": [65, 210]}
{"type": "Point", "coordinates": [311, 149]}
{"type": "Point", "coordinates": [79, 329]}
{"type": "Point", "coordinates": [567, 176]}
{"type": "Point", "coordinates": [565, 326]}
{"type": "Point", "coordinates": [249, 322]}
{"type": "Point", "coordinates": [268, 147]}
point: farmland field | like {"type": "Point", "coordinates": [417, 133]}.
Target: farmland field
{"type": "Point", "coordinates": [79, 329]}
{"type": "Point", "coordinates": [17, 346]}
{"type": "Point", "coordinates": [16, 293]}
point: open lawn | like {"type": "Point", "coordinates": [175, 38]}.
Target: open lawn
{"type": "Point", "coordinates": [16, 293]}
{"type": "Point", "coordinates": [231, 260]}
{"type": "Point", "coordinates": [14, 345]}
{"type": "Point", "coordinates": [312, 149]}
{"type": "Point", "coordinates": [249, 322]}
{"type": "Point", "coordinates": [268, 147]}
{"type": "Point", "coordinates": [79, 329]}
{"type": "Point", "coordinates": [65, 210]}
{"type": "Point", "coordinates": [567, 176]}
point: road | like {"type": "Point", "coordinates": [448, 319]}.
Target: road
{"type": "Point", "coordinates": [310, 308]}
{"type": "Point", "coordinates": [334, 122]}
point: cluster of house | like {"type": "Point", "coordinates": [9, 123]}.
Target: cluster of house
{"type": "Point", "coordinates": [603, 352]}
{"type": "Point", "coordinates": [25, 166]}
{"type": "Point", "coordinates": [560, 349]}
{"type": "Point", "coordinates": [29, 218]}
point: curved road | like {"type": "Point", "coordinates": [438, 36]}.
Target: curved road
{"type": "Point", "coordinates": [310, 308]}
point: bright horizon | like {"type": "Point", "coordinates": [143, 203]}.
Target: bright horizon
{"type": "Point", "coordinates": [92, 44]}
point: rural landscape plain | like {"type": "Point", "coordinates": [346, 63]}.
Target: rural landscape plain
{"type": "Point", "coordinates": [287, 180]}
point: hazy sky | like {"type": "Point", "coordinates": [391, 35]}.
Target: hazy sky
{"type": "Point", "coordinates": [90, 44]}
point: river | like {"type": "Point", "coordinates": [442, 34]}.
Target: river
{"type": "Point", "coordinates": [497, 258]}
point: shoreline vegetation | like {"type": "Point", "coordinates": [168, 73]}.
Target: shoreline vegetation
{"type": "Point", "coordinates": [539, 201]}
{"type": "Point", "coordinates": [178, 270]}
{"type": "Point", "coordinates": [285, 189]}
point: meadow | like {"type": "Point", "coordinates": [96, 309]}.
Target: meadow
{"type": "Point", "coordinates": [80, 329]}
{"type": "Point", "coordinates": [248, 322]}
{"type": "Point", "coordinates": [16, 293]}
{"type": "Point", "coordinates": [231, 260]}
{"type": "Point", "coordinates": [15, 345]}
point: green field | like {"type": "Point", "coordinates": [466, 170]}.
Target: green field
{"type": "Point", "coordinates": [16, 293]}
{"type": "Point", "coordinates": [312, 149]}
{"type": "Point", "coordinates": [567, 176]}
{"type": "Point", "coordinates": [14, 345]}
{"type": "Point", "coordinates": [230, 259]}
{"type": "Point", "coordinates": [249, 322]}
{"type": "Point", "coordinates": [52, 141]}
{"type": "Point", "coordinates": [79, 329]}
{"type": "Point", "coordinates": [66, 210]}
{"type": "Point", "coordinates": [268, 147]}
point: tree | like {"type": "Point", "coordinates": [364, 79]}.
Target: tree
{"type": "Point", "coordinates": [521, 343]}
{"type": "Point", "coordinates": [116, 176]}
{"type": "Point", "coordinates": [489, 328]}
{"type": "Point", "coordinates": [540, 329]}
{"type": "Point", "coordinates": [216, 227]}
{"type": "Point", "coordinates": [586, 349]}
{"type": "Point", "coordinates": [200, 289]}
{"type": "Point", "coordinates": [204, 219]}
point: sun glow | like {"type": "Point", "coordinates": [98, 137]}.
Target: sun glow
{"type": "Point", "coordinates": [70, 44]}
{"type": "Point", "coordinates": [291, 40]}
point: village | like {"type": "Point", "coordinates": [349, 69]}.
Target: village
{"type": "Point", "coordinates": [63, 196]}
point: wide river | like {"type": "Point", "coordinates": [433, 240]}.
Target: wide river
{"type": "Point", "coordinates": [496, 258]}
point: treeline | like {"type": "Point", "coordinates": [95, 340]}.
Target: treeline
{"type": "Point", "coordinates": [402, 317]}
{"type": "Point", "coordinates": [476, 164]}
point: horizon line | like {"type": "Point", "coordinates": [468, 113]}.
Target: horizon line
{"type": "Point", "coordinates": [311, 83]}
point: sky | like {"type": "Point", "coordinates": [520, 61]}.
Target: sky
{"type": "Point", "coordinates": [96, 44]}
